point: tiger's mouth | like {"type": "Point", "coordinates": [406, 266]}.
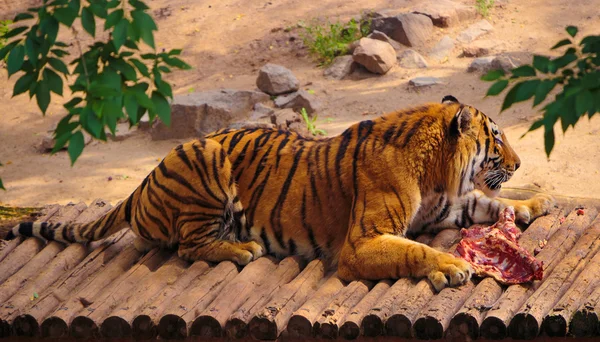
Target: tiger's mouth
{"type": "Point", "coordinates": [490, 181]}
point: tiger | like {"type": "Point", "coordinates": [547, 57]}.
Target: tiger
{"type": "Point", "coordinates": [352, 200]}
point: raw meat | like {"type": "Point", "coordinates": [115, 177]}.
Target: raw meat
{"type": "Point", "coordinates": [494, 251]}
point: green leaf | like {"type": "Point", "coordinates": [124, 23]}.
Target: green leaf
{"type": "Point", "coordinates": [73, 102]}
{"type": "Point", "coordinates": [164, 69]}
{"type": "Point", "coordinates": [59, 53]}
{"type": "Point", "coordinates": [549, 139]}
{"type": "Point", "coordinates": [131, 107]}
{"type": "Point", "coordinates": [536, 124]}
{"type": "Point", "coordinates": [31, 49]}
{"type": "Point", "coordinates": [178, 63]}
{"type": "Point", "coordinates": [563, 61]}
{"type": "Point", "coordinates": [523, 71]}
{"type": "Point", "coordinates": [15, 59]}
{"type": "Point", "coordinates": [90, 121]}
{"type": "Point", "coordinates": [149, 56]}
{"type": "Point", "coordinates": [571, 30]}
{"type": "Point", "coordinates": [526, 90]}
{"type": "Point", "coordinates": [138, 5]}
{"type": "Point", "coordinates": [49, 27]}
{"type": "Point", "coordinates": [119, 34]}
{"type": "Point", "coordinates": [174, 52]}
{"type": "Point", "coordinates": [61, 44]}
{"type": "Point", "coordinates": [162, 107]}
{"type": "Point", "coordinates": [140, 66]}
{"type": "Point", "coordinates": [42, 94]}
{"type": "Point", "coordinates": [584, 101]}
{"type": "Point", "coordinates": [113, 19]}
{"type": "Point", "coordinates": [2, 185]}
{"type": "Point", "coordinates": [23, 83]}
{"type": "Point", "coordinates": [497, 88]}
{"type": "Point", "coordinates": [493, 75]}
{"type": "Point", "coordinates": [55, 82]}
{"type": "Point", "coordinates": [165, 89]}
{"type": "Point", "coordinates": [541, 63]}
{"type": "Point", "coordinates": [98, 10]}
{"type": "Point", "coordinates": [22, 16]}
{"type": "Point", "coordinates": [144, 25]}
{"type": "Point", "coordinates": [131, 44]}
{"type": "Point", "coordinates": [65, 15]}
{"type": "Point", "coordinates": [509, 99]}
{"type": "Point", "coordinates": [124, 68]}
{"type": "Point", "coordinates": [88, 22]}
{"type": "Point", "coordinates": [542, 90]}
{"type": "Point", "coordinates": [143, 100]}
{"type": "Point", "coordinates": [58, 65]}
{"type": "Point", "coordinates": [6, 49]}
{"type": "Point", "coordinates": [15, 32]}
{"type": "Point", "coordinates": [561, 43]}
{"type": "Point", "coordinates": [76, 143]}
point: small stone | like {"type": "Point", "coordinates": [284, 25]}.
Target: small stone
{"type": "Point", "coordinates": [284, 117]}
{"type": "Point", "coordinates": [384, 38]}
{"type": "Point", "coordinates": [424, 81]}
{"type": "Point", "coordinates": [481, 64]}
{"type": "Point", "coordinates": [300, 128]}
{"type": "Point", "coordinates": [341, 67]}
{"type": "Point", "coordinates": [503, 62]}
{"type": "Point", "coordinates": [475, 31]}
{"type": "Point", "coordinates": [377, 56]}
{"type": "Point", "coordinates": [411, 59]}
{"type": "Point", "coordinates": [275, 79]}
{"type": "Point", "coordinates": [442, 49]}
{"type": "Point", "coordinates": [260, 111]}
{"type": "Point", "coordinates": [445, 13]}
{"type": "Point", "coordinates": [297, 101]}
{"type": "Point", "coordinates": [47, 143]}
{"type": "Point", "coordinates": [410, 29]}
{"type": "Point", "coordinates": [480, 48]}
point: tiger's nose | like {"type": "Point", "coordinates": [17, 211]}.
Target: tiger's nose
{"type": "Point", "coordinates": [517, 164]}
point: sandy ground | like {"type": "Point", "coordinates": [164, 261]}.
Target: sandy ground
{"type": "Point", "coordinates": [227, 41]}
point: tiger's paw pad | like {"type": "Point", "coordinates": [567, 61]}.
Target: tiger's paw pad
{"type": "Point", "coordinates": [451, 271]}
{"type": "Point", "coordinates": [538, 205]}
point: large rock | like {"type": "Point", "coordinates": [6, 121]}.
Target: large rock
{"type": "Point", "coordinates": [480, 48]}
{"type": "Point", "coordinates": [377, 56]}
{"type": "Point", "coordinates": [197, 114]}
{"type": "Point", "coordinates": [298, 100]}
{"type": "Point", "coordinates": [274, 79]}
{"type": "Point", "coordinates": [481, 64]}
{"type": "Point", "coordinates": [442, 49]}
{"type": "Point", "coordinates": [475, 31]}
{"type": "Point", "coordinates": [504, 62]}
{"type": "Point", "coordinates": [424, 81]}
{"type": "Point", "coordinates": [385, 38]}
{"type": "Point", "coordinates": [410, 29]}
{"type": "Point", "coordinates": [411, 59]}
{"type": "Point", "coordinates": [341, 67]}
{"type": "Point", "coordinates": [445, 13]}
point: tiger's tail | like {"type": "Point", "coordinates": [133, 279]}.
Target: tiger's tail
{"type": "Point", "coordinates": [113, 221]}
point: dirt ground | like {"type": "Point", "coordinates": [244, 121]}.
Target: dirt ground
{"type": "Point", "coordinates": [226, 41]}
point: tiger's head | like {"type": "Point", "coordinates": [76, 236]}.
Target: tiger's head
{"type": "Point", "coordinates": [490, 160]}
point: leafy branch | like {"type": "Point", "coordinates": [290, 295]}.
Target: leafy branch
{"type": "Point", "coordinates": [576, 73]}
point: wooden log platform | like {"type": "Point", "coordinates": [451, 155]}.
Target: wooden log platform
{"type": "Point", "coordinates": [111, 291]}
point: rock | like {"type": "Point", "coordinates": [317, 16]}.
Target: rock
{"type": "Point", "coordinates": [47, 143]}
{"type": "Point", "coordinates": [377, 56]}
{"type": "Point", "coordinates": [442, 49]}
{"type": "Point", "coordinates": [300, 128]}
{"type": "Point", "coordinates": [144, 123]}
{"type": "Point", "coordinates": [481, 64]}
{"type": "Point", "coordinates": [341, 67]}
{"type": "Point", "coordinates": [274, 79]}
{"type": "Point", "coordinates": [411, 59]}
{"type": "Point", "coordinates": [197, 114]}
{"type": "Point", "coordinates": [260, 111]}
{"type": "Point", "coordinates": [424, 81]}
{"type": "Point", "coordinates": [297, 101]}
{"type": "Point", "coordinates": [410, 29]}
{"type": "Point", "coordinates": [284, 117]}
{"type": "Point", "coordinates": [480, 48]}
{"type": "Point", "coordinates": [445, 13]}
{"type": "Point", "coordinates": [503, 62]}
{"type": "Point", "coordinates": [122, 132]}
{"type": "Point", "coordinates": [384, 38]}
{"type": "Point", "coordinates": [475, 31]}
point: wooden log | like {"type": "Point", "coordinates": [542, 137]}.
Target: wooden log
{"type": "Point", "coordinates": [495, 323]}
{"type": "Point", "coordinates": [211, 321]}
{"type": "Point", "coordinates": [237, 325]}
{"type": "Point", "coordinates": [57, 324]}
{"type": "Point", "coordinates": [406, 307]}
{"type": "Point", "coordinates": [269, 323]}
{"type": "Point", "coordinates": [527, 322]}
{"type": "Point", "coordinates": [467, 321]}
{"type": "Point", "coordinates": [145, 324]}
{"type": "Point", "coordinates": [301, 322]}
{"type": "Point", "coordinates": [181, 311]}
{"type": "Point", "coordinates": [326, 325]}
{"type": "Point", "coordinates": [86, 323]}
{"type": "Point", "coordinates": [373, 324]}
{"type": "Point", "coordinates": [29, 322]}
{"type": "Point", "coordinates": [19, 257]}
{"type": "Point", "coordinates": [557, 320]}
{"type": "Point", "coordinates": [351, 323]}
{"type": "Point", "coordinates": [586, 322]}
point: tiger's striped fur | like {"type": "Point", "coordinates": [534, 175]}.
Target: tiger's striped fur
{"type": "Point", "coordinates": [350, 199]}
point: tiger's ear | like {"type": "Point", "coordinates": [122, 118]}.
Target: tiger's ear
{"type": "Point", "coordinates": [462, 121]}
{"type": "Point", "coordinates": [449, 99]}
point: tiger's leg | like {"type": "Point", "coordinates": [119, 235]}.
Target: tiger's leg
{"type": "Point", "coordinates": [375, 247]}
{"type": "Point", "coordinates": [476, 207]}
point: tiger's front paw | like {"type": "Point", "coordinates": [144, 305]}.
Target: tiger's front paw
{"type": "Point", "coordinates": [538, 205]}
{"type": "Point", "coordinates": [450, 271]}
